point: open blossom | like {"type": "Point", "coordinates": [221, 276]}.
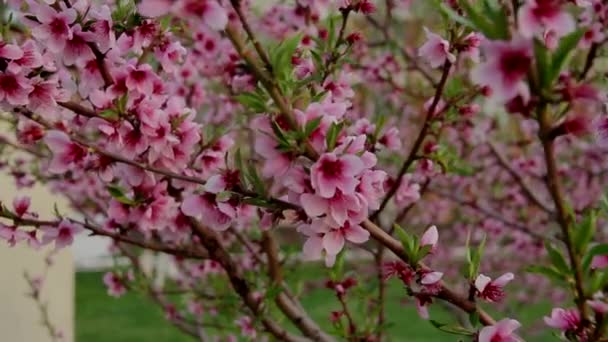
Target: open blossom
{"type": "Point", "coordinates": [62, 235]}
{"type": "Point", "coordinates": [502, 331]}
{"type": "Point", "coordinates": [339, 208]}
{"type": "Point", "coordinates": [408, 192]}
{"type": "Point", "coordinates": [505, 68]}
{"type": "Point", "coordinates": [65, 152]}
{"type": "Point", "coordinates": [11, 234]}
{"type": "Point", "coordinates": [542, 16]}
{"type": "Point", "coordinates": [54, 28]}
{"type": "Point", "coordinates": [436, 50]}
{"type": "Point", "coordinates": [564, 319]}
{"type": "Point", "coordinates": [332, 172]}
{"type": "Point", "coordinates": [14, 88]}
{"type": "Point", "coordinates": [115, 285]}
{"type": "Point", "coordinates": [205, 206]}
{"type": "Point", "coordinates": [492, 290]}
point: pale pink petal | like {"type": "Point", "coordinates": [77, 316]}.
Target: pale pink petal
{"type": "Point", "coordinates": [333, 242]}
{"type": "Point", "coordinates": [313, 205]}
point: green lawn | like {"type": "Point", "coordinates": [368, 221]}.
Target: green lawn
{"type": "Point", "coordinates": [132, 318]}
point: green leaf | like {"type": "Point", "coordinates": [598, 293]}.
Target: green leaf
{"type": "Point", "coordinates": [543, 63]}
{"type": "Point", "coordinates": [255, 180]}
{"type": "Point", "coordinates": [566, 45]}
{"type": "Point", "coordinates": [454, 16]}
{"type": "Point", "coordinates": [238, 163]}
{"type": "Point", "coordinates": [557, 259]}
{"type": "Point", "coordinates": [549, 272]}
{"type": "Point", "coordinates": [474, 318]}
{"type": "Point", "coordinates": [585, 231]}
{"type": "Point", "coordinates": [480, 20]}
{"type": "Point", "coordinates": [332, 135]}
{"type": "Point", "coordinates": [454, 329]}
{"type": "Point", "coordinates": [118, 194]}
{"type": "Point", "coordinates": [311, 126]}
{"type": "Point", "coordinates": [406, 240]}
{"type": "Point", "coordinates": [281, 57]}
{"type": "Point", "coordinates": [278, 132]}
{"type": "Point", "coordinates": [109, 114]}
{"type": "Point", "coordinates": [252, 101]}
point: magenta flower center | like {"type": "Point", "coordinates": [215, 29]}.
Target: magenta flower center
{"type": "Point", "coordinates": [514, 64]}
{"type": "Point", "coordinates": [332, 169]}
{"type": "Point", "coordinates": [8, 83]}
{"type": "Point", "coordinates": [58, 27]}
{"type": "Point", "coordinates": [546, 8]}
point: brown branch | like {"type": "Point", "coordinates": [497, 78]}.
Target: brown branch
{"type": "Point", "coordinates": [236, 4]}
{"type": "Point", "coordinates": [78, 109]}
{"type": "Point", "coordinates": [446, 294]}
{"type": "Point", "coordinates": [418, 142]}
{"type": "Point", "coordinates": [100, 59]}
{"type": "Point", "coordinates": [217, 252]}
{"type": "Point", "coordinates": [490, 214]}
{"type": "Point", "coordinates": [526, 188]}
{"type": "Point", "coordinates": [563, 218]}
{"type": "Point", "coordinates": [285, 302]}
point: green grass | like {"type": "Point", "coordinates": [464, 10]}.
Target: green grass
{"type": "Point", "coordinates": [133, 318]}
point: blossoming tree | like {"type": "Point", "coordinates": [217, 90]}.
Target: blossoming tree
{"type": "Point", "coordinates": [449, 146]}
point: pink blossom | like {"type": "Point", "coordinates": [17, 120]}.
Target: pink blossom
{"type": "Point", "coordinates": [14, 88]}
{"type": "Point", "coordinates": [436, 50]}
{"type": "Point", "coordinates": [537, 16]}
{"type": "Point", "coordinates": [332, 172]}
{"type": "Point", "coordinates": [205, 206]}
{"type": "Point", "coordinates": [65, 152]}
{"type": "Point", "coordinates": [502, 331]}
{"type": "Point", "coordinates": [247, 328]}
{"type": "Point", "coordinates": [212, 13]}
{"type": "Point", "coordinates": [371, 187]}
{"type": "Point", "coordinates": [21, 205]}
{"type": "Point", "coordinates": [430, 237]}
{"type": "Point", "coordinates": [340, 207]}
{"type": "Point", "coordinates": [140, 78]}
{"type": "Point", "coordinates": [77, 46]}
{"type": "Point", "coordinates": [564, 319]}
{"type": "Point", "coordinates": [114, 284]}
{"type": "Point", "coordinates": [599, 306]}
{"type": "Point", "coordinates": [431, 278]}
{"type": "Point", "coordinates": [29, 59]}
{"type": "Point", "coordinates": [11, 234]}
{"type": "Point", "coordinates": [506, 66]}
{"type": "Point", "coordinates": [154, 8]}
{"type": "Point", "coordinates": [408, 192]}
{"type": "Point", "coordinates": [492, 290]}
{"type": "Point", "coordinates": [600, 130]}
{"type": "Point", "coordinates": [62, 235]}
{"type": "Point", "coordinates": [54, 28]}
{"type": "Point", "coordinates": [10, 51]}
{"type": "Point", "coordinates": [334, 239]}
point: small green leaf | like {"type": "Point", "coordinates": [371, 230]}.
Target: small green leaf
{"type": "Point", "coordinates": [118, 194]}
{"type": "Point", "coordinates": [456, 330]}
{"type": "Point", "coordinates": [454, 16]}
{"type": "Point", "coordinates": [566, 45]}
{"type": "Point", "coordinates": [557, 259]}
{"type": "Point", "coordinates": [252, 101]}
{"type": "Point", "coordinates": [311, 126]}
{"type": "Point", "coordinates": [480, 21]}
{"type": "Point", "coordinates": [543, 63]}
{"type": "Point", "coordinates": [549, 272]}
{"type": "Point", "coordinates": [585, 231]}
{"type": "Point", "coordinates": [474, 318]}
{"type": "Point", "coordinates": [332, 135]}
{"type": "Point", "coordinates": [109, 114]}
